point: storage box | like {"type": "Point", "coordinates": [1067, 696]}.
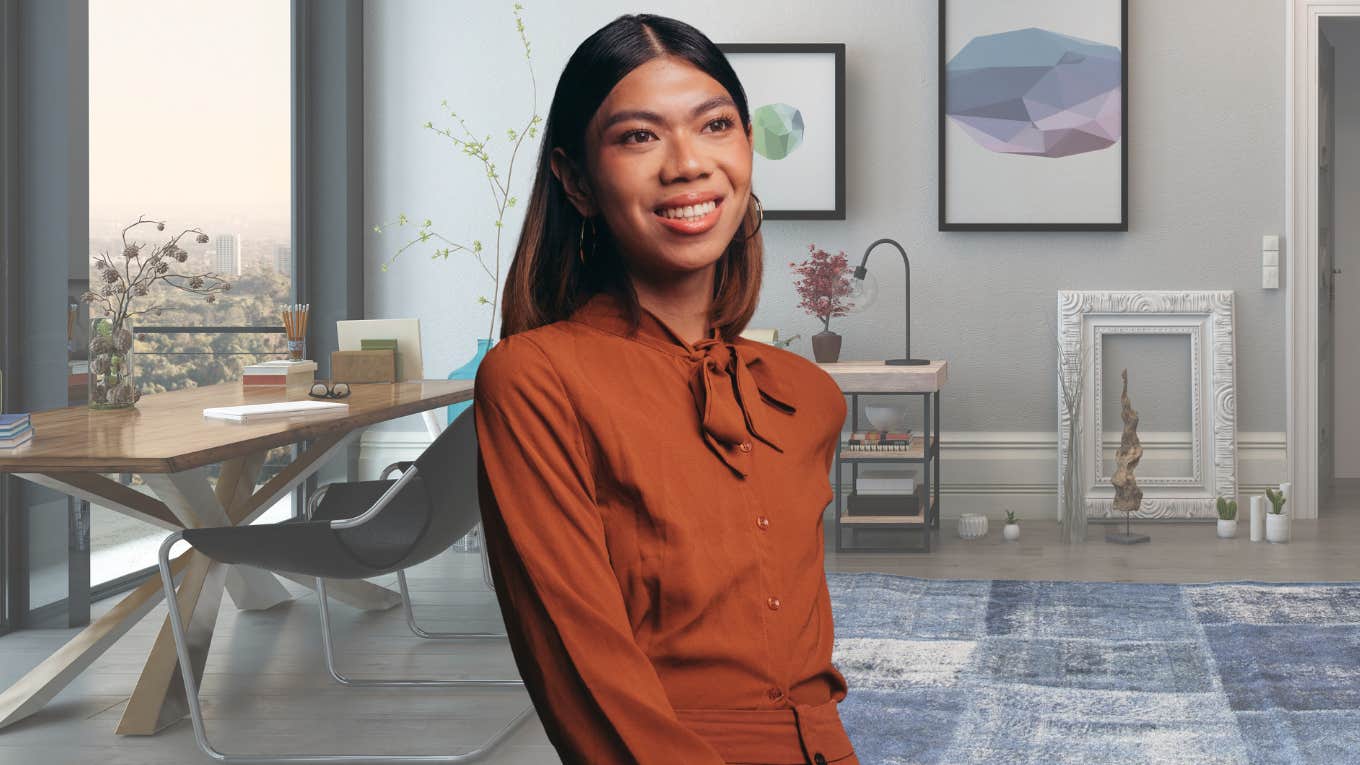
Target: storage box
{"type": "Point", "coordinates": [886, 504]}
{"type": "Point", "coordinates": [364, 366]}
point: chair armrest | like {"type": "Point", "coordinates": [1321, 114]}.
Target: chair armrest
{"type": "Point", "coordinates": [401, 467]}
{"type": "Point", "coordinates": [316, 501]}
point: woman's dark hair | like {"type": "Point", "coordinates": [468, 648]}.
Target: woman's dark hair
{"type": "Point", "coordinates": [546, 280]}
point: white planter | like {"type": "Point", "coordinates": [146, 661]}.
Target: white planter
{"type": "Point", "coordinates": [1258, 518]}
{"type": "Point", "coordinates": [972, 526]}
{"type": "Point", "coordinates": [1227, 529]}
{"type": "Point", "coordinates": [1011, 532]}
{"type": "Point", "coordinates": [1277, 527]}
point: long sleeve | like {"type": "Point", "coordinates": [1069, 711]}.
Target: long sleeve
{"type": "Point", "coordinates": [597, 693]}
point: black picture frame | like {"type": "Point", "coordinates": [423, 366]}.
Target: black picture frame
{"type": "Point", "coordinates": [1122, 224]}
{"type": "Point", "coordinates": [838, 51]}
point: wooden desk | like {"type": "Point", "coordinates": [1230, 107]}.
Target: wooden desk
{"type": "Point", "coordinates": [167, 441]}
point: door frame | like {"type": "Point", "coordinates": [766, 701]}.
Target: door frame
{"type": "Point", "coordinates": [1303, 22]}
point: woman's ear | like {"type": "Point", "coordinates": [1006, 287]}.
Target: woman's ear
{"type": "Point", "coordinates": [573, 181]}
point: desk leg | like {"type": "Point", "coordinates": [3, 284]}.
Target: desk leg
{"type": "Point", "coordinates": [46, 680]}
{"type": "Point", "coordinates": [159, 700]}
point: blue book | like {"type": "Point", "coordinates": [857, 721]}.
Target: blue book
{"type": "Point", "coordinates": [21, 439]}
{"type": "Point", "coordinates": [9, 430]}
{"type": "Point", "coordinates": [10, 420]}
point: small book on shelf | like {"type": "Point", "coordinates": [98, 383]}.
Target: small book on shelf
{"type": "Point", "coordinates": [275, 411]}
{"type": "Point", "coordinates": [876, 440]}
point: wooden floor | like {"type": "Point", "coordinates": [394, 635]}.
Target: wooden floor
{"type": "Point", "coordinates": [266, 689]}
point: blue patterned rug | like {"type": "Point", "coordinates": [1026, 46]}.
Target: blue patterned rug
{"type": "Point", "coordinates": [957, 672]}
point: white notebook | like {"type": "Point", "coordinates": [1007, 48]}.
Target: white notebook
{"type": "Point", "coordinates": [274, 411]}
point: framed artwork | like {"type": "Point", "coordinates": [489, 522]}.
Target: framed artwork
{"type": "Point", "coordinates": [1033, 115]}
{"type": "Point", "coordinates": [796, 95]}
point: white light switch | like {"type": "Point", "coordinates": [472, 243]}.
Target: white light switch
{"type": "Point", "coordinates": [1270, 262]}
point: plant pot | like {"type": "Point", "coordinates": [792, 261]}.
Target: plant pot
{"type": "Point", "coordinates": [1011, 532]}
{"type": "Point", "coordinates": [826, 347]}
{"type": "Point", "coordinates": [1227, 529]}
{"type": "Point", "coordinates": [972, 526]}
{"type": "Point", "coordinates": [1277, 527]}
{"type": "Point", "coordinates": [112, 383]}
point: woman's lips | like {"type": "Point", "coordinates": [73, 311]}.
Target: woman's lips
{"type": "Point", "coordinates": [695, 226]}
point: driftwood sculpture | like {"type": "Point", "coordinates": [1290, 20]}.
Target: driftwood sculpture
{"type": "Point", "coordinates": [1127, 496]}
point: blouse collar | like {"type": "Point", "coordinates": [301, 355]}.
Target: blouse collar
{"type": "Point", "coordinates": [728, 379]}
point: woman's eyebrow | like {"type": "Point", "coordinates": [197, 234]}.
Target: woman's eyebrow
{"type": "Point", "coordinates": [647, 116]}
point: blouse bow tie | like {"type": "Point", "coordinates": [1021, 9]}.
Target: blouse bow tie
{"type": "Point", "coordinates": [728, 388]}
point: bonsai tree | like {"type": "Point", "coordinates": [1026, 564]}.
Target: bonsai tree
{"type": "Point", "coordinates": [1227, 509]}
{"type": "Point", "coordinates": [1277, 500]}
{"type": "Point", "coordinates": [823, 285]}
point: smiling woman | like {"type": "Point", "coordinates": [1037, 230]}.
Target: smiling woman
{"type": "Point", "coordinates": [652, 484]}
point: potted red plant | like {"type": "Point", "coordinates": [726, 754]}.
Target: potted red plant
{"type": "Point", "coordinates": [824, 284]}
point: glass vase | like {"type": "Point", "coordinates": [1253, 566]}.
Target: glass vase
{"type": "Point", "coordinates": [112, 380]}
{"type": "Point", "coordinates": [1072, 525]}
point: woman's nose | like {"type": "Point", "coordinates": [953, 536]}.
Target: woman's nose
{"type": "Point", "coordinates": [686, 160]}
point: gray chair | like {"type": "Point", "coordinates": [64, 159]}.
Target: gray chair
{"type": "Point", "coordinates": [354, 531]}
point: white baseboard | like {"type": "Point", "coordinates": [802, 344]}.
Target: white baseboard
{"type": "Point", "coordinates": [980, 472]}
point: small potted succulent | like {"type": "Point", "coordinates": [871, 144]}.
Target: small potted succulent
{"type": "Point", "coordinates": [1011, 531]}
{"type": "Point", "coordinates": [1277, 520]}
{"type": "Point", "coordinates": [1227, 518]}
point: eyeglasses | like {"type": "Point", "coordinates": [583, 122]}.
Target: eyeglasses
{"type": "Point", "coordinates": [329, 390]}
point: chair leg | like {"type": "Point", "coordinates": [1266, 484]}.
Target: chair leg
{"type": "Point", "coordinates": [329, 649]}
{"type": "Point", "coordinates": [418, 631]}
{"type": "Point", "coordinates": [196, 709]}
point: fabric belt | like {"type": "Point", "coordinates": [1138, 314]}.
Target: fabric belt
{"type": "Point", "coordinates": [790, 736]}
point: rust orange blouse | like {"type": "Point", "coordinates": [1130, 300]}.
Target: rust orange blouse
{"type": "Point", "coordinates": [652, 513]}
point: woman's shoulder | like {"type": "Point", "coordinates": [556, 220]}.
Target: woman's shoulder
{"type": "Point", "coordinates": [531, 358]}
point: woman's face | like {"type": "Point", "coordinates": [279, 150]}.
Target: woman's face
{"type": "Point", "coordinates": [668, 141]}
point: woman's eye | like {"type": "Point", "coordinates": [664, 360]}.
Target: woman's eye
{"type": "Point", "coordinates": [724, 121]}
{"type": "Point", "coordinates": [624, 138]}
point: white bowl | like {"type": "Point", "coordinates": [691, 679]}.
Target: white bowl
{"type": "Point", "coordinates": [885, 417]}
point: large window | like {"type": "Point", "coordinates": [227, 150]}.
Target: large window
{"type": "Point", "coordinates": [190, 125]}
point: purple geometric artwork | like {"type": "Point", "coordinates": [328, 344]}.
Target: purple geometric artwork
{"type": "Point", "coordinates": [1036, 92]}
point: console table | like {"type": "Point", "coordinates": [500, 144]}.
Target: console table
{"type": "Point", "coordinates": [857, 378]}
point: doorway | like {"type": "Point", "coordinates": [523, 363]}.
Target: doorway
{"type": "Point", "coordinates": [1338, 248]}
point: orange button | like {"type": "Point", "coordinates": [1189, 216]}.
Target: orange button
{"type": "Point", "coordinates": [773, 603]}
{"type": "Point", "coordinates": [763, 522]}
{"type": "Point", "coordinates": [745, 446]}
{"type": "Point", "coordinates": [776, 694]}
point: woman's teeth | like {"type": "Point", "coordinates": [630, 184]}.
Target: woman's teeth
{"type": "Point", "coordinates": [689, 211]}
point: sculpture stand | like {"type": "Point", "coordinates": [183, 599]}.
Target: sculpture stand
{"type": "Point", "coordinates": [1127, 537]}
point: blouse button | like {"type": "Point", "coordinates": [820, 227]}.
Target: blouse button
{"type": "Point", "coordinates": [763, 522]}
{"type": "Point", "coordinates": [745, 446]}
{"type": "Point", "coordinates": [773, 603]}
{"type": "Point", "coordinates": [776, 694]}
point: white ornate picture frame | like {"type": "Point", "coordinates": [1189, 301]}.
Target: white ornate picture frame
{"type": "Point", "coordinates": [1085, 318]}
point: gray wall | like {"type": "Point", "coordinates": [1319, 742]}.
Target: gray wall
{"type": "Point", "coordinates": [1206, 163]}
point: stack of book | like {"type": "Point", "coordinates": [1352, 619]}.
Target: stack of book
{"type": "Point", "coordinates": [15, 429]}
{"type": "Point", "coordinates": [876, 440]}
{"type": "Point", "coordinates": [280, 372]}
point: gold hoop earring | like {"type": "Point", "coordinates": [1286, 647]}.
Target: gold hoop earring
{"type": "Point", "coordinates": [580, 242]}
{"type": "Point", "coordinates": [760, 218]}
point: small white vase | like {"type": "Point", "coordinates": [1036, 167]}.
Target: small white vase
{"type": "Point", "coordinates": [1011, 532]}
{"type": "Point", "coordinates": [1277, 527]}
{"type": "Point", "coordinates": [1258, 518]}
{"type": "Point", "coordinates": [1227, 529]}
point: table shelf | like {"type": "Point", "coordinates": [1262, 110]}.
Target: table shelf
{"type": "Point", "coordinates": [874, 378]}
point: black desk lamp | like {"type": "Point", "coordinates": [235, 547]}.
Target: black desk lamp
{"type": "Point", "coordinates": [860, 273]}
